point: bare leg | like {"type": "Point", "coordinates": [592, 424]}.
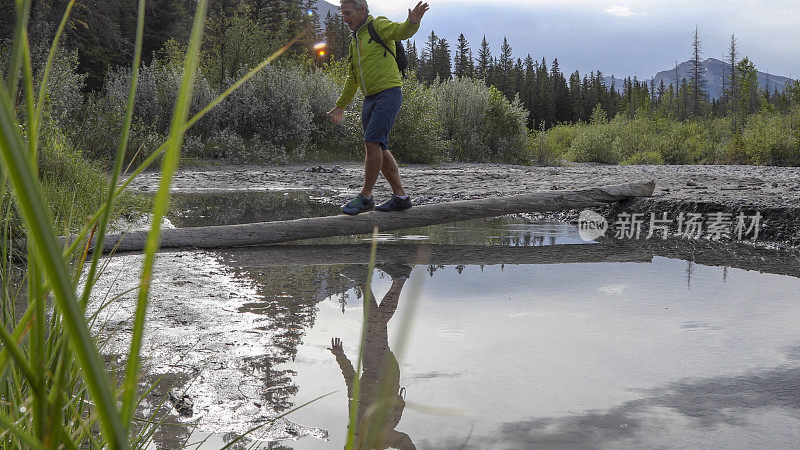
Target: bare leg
{"type": "Point", "coordinates": [392, 173]}
{"type": "Point", "coordinates": [372, 166]}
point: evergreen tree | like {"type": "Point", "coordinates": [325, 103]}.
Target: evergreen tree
{"type": "Point", "coordinates": [412, 55]}
{"type": "Point", "coordinates": [518, 79]}
{"type": "Point", "coordinates": [730, 81]}
{"type": "Point", "coordinates": [545, 101]}
{"type": "Point", "coordinates": [443, 60]}
{"type": "Point", "coordinates": [428, 64]}
{"type": "Point", "coordinates": [311, 18]}
{"type": "Point", "coordinates": [747, 79]}
{"type": "Point", "coordinates": [576, 97]}
{"type": "Point", "coordinates": [504, 76]}
{"type": "Point", "coordinates": [698, 81]}
{"type": "Point", "coordinates": [662, 89]}
{"type": "Point", "coordinates": [685, 99]}
{"type": "Point", "coordinates": [463, 60]}
{"type": "Point", "coordinates": [562, 104]}
{"type": "Point", "coordinates": [337, 35]}
{"type": "Point", "coordinates": [484, 63]}
{"type": "Point", "coordinates": [528, 91]}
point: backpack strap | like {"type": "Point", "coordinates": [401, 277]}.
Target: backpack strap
{"type": "Point", "coordinates": [373, 35]}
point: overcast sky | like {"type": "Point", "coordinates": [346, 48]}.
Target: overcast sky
{"type": "Point", "coordinates": [618, 37]}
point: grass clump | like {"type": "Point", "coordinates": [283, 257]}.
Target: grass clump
{"type": "Point", "coordinates": [55, 387]}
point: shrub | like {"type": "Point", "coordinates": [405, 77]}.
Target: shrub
{"type": "Point", "coordinates": [73, 186]}
{"type": "Point", "coordinates": [559, 138]}
{"type": "Point", "coordinates": [103, 113]}
{"type": "Point", "coordinates": [649, 157]}
{"type": "Point", "coordinates": [461, 106]}
{"type": "Point", "coordinates": [634, 136]}
{"type": "Point", "coordinates": [417, 133]}
{"type": "Point", "coordinates": [481, 124]}
{"type": "Point", "coordinates": [64, 93]}
{"type": "Point", "coordinates": [771, 139]}
{"type": "Point", "coordinates": [594, 144]}
{"type": "Point", "coordinates": [686, 143]}
{"type": "Point", "coordinates": [505, 126]}
{"type": "Point", "coordinates": [272, 106]}
{"type": "Point", "coordinates": [328, 139]}
{"type": "Point", "coordinates": [543, 153]}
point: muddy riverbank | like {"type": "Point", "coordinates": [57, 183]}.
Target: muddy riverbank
{"type": "Point", "coordinates": [772, 192]}
{"type": "Point", "coordinates": [596, 333]}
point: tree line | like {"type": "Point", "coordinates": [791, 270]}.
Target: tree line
{"type": "Point", "coordinates": [241, 33]}
{"type": "Point", "coordinates": [553, 98]}
{"type": "Point", "coordinates": [238, 32]}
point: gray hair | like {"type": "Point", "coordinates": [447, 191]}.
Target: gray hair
{"type": "Point", "coordinates": [357, 3]}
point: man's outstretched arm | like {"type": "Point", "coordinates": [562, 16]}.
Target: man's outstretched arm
{"type": "Point", "coordinates": [399, 31]}
{"type": "Point", "coordinates": [344, 364]}
{"type": "Point", "coordinates": [349, 91]}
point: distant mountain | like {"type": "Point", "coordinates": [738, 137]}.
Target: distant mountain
{"type": "Point", "coordinates": [323, 8]}
{"type": "Point", "coordinates": [714, 72]}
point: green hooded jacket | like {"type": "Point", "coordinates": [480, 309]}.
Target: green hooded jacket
{"type": "Point", "coordinates": [370, 66]}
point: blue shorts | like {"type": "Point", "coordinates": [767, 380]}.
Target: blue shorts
{"type": "Point", "coordinates": [378, 115]}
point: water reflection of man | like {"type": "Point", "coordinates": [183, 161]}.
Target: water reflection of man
{"type": "Point", "coordinates": [381, 376]}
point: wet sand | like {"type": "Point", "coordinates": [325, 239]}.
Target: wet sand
{"type": "Point", "coordinates": [773, 191]}
{"type": "Point", "coordinates": [244, 333]}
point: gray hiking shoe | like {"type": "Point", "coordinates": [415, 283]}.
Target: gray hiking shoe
{"type": "Point", "coordinates": [358, 205]}
{"type": "Point", "coordinates": [394, 204]}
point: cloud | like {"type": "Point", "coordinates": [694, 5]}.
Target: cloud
{"type": "Point", "coordinates": [620, 11]}
{"type": "Point", "coordinates": [613, 289]}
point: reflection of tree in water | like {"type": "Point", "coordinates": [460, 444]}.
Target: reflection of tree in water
{"type": "Point", "coordinates": [379, 391]}
{"type": "Point", "coordinates": [290, 296]}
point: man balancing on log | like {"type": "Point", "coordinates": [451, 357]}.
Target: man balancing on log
{"type": "Point", "coordinates": [374, 65]}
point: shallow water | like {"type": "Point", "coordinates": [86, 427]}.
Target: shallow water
{"type": "Point", "coordinates": [520, 337]}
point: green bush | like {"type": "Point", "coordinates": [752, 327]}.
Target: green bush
{"type": "Point", "coordinates": [481, 124]}
{"type": "Point", "coordinates": [649, 157]}
{"type": "Point", "coordinates": [639, 135]}
{"type": "Point", "coordinates": [771, 140]}
{"type": "Point", "coordinates": [417, 133]}
{"type": "Point", "coordinates": [64, 93]}
{"type": "Point", "coordinates": [686, 143]}
{"type": "Point", "coordinates": [543, 153]}
{"type": "Point", "coordinates": [559, 138]}
{"type": "Point", "coordinates": [505, 128]}
{"type": "Point", "coordinates": [461, 106]}
{"type": "Point", "coordinates": [73, 185]}
{"type": "Point", "coordinates": [594, 144]}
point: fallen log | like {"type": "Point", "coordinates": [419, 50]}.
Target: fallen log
{"type": "Point", "coordinates": [341, 225]}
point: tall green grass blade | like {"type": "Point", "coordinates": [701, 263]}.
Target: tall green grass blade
{"type": "Point", "coordinates": [36, 296]}
{"type": "Point", "coordinates": [14, 64]}
{"type": "Point", "coordinates": [56, 396]}
{"type": "Point", "coordinates": [33, 129]}
{"type": "Point", "coordinates": [36, 217]}
{"type": "Point", "coordinates": [16, 353]}
{"type": "Point", "coordinates": [16, 336]}
{"type": "Point", "coordinates": [161, 204]}
{"type": "Point", "coordinates": [50, 57]}
{"type": "Point", "coordinates": [120, 159]}
{"type": "Point", "coordinates": [8, 424]}
{"type": "Point", "coordinates": [351, 432]}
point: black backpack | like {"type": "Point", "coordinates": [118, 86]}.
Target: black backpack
{"type": "Point", "coordinates": [399, 52]}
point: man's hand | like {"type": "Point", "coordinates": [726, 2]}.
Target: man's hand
{"type": "Point", "coordinates": [336, 346]}
{"type": "Point", "coordinates": [415, 15]}
{"type": "Point", "coordinates": [337, 114]}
